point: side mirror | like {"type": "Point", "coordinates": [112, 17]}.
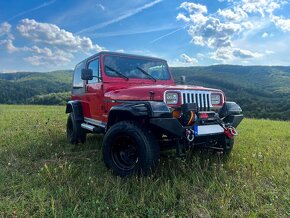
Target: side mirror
{"type": "Point", "coordinates": [87, 74]}
{"type": "Point", "coordinates": [183, 80]}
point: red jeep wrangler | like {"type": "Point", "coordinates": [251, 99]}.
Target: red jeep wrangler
{"type": "Point", "coordinates": [133, 100]}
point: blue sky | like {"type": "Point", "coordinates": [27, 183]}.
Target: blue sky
{"type": "Point", "coordinates": [47, 35]}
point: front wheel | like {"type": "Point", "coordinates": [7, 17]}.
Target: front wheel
{"type": "Point", "coordinates": [129, 149]}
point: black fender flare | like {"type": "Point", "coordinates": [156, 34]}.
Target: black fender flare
{"type": "Point", "coordinates": [75, 107]}
{"type": "Point", "coordinates": [230, 108]}
{"type": "Point", "coordinates": [131, 110]}
{"type": "Point", "coordinates": [231, 113]}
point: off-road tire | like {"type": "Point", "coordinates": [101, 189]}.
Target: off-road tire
{"type": "Point", "coordinates": [75, 133]}
{"type": "Point", "coordinates": [128, 149]}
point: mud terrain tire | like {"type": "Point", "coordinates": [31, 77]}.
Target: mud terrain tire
{"type": "Point", "coordinates": [129, 148]}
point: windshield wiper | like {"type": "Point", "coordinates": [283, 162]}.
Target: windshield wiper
{"type": "Point", "coordinates": [147, 74]}
{"type": "Point", "coordinates": [117, 72]}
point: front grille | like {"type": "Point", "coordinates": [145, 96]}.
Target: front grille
{"type": "Point", "coordinates": [201, 98]}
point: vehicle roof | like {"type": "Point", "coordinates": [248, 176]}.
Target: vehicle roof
{"type": "Point", "coordinates": [121, 54]}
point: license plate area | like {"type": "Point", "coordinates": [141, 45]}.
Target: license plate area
{"type": "Point", "coordinates": [208, 130]}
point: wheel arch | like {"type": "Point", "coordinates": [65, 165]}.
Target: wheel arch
{"type": "Point", "coordinates": [75, 107]}
{"type": "Point", "coordinates": [127, 112]}
{"type": "Point", "coordinates": [138, 110]}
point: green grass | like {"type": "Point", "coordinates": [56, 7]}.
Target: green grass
{"type": "Point", "coordinates": [41, 175]}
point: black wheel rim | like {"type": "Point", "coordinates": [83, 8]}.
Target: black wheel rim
{"type": "Point", "coordinates": [124, 153]}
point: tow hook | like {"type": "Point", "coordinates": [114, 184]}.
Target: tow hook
{"type": "Point", "coordinates": [230, 131]}
{"type": "Point", "coordinates": [189, 135]}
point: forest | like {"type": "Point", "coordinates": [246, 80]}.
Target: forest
{"type": "Point", "coordinates": [262, 91]}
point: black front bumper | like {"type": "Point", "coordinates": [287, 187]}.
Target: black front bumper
{"type": "Point", "coordinates": [174, 127]}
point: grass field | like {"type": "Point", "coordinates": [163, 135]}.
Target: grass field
{"type": "Point", "coordinates": [41, 175]}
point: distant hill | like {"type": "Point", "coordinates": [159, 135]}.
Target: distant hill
{"type": "Point", "coordinates": [33, 87]}
{"type": "Point", "coordinates": [262, 91]}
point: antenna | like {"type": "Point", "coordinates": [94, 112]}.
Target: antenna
{"type": "Point", "coordinates": [183, 80]}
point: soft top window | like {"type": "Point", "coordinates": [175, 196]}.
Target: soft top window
{"type": "Point", "coordinates": [77, 80]}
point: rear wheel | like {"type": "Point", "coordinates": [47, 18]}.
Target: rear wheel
{"type": "Point", "coordinates": [75, 133]}
{"type": "Point", "coordinates": [130, 149]}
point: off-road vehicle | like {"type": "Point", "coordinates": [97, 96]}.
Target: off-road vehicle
{"type": "Point", "coordinates": [135, 103]}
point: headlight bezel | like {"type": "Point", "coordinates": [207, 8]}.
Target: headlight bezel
{"type": "Point", "coordinates": [216, 99]}
{"type": "Point", "coordinates": [171, 98]}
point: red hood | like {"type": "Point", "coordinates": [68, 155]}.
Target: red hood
{"type": "Point", "coordinates": [142, 92]}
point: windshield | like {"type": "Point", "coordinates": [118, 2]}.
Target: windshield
{"type": "Point", "coordinates": [130, 67]}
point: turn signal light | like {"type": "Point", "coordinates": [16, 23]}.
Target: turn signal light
{"type": "Point", "coordinates": [176, 113]}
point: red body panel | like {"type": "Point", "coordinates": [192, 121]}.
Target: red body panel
{"type": "Point", "coordinates": [98, 98]}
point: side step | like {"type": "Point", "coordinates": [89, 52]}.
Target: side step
{"type": "Point", "coordinates": [92, 128]}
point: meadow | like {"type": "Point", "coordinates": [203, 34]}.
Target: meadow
{"type": "Point", "coordinates": [42, 175]}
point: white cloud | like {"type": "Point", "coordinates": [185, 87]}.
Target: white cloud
{"type": "Point", "coordinates": [7, 37]}
{"type": "Point", "coordinates": [46, 51]}
{"type": "Point", "coordinates": [183, 61]}
{"type": "Point", "coordinates": [248, 25]}
{"type": "Point", "coordinates": [196, 13]}
{"type": "Point", "coordinates": [198, 18]}
{"type": "Point", "coordinates": [51, 45]}
{"type": "Point", "coordinates": [207, 30]}
{"type": "Point", "coordinates": [184, 58]}
{"type": "Point", "coordinates": [11, 48]}
{"type": "Point", "coordinates": [265, 35]}
{"type": "Point", "coordinates": [224, 53]}
{"type": "Point", "coordinates": [220, 30]}
{"type": "Point", "coordinates": [236, 14]}
{"type": "Point", "coordinates": [192, 7]}
{"type": "Point", "coordinates": [230, 54]}
{"type": "Point", "coordinates": [40, 56]}
{"type": "Point", "coordinates": [245, 54]}
{"type": "Point", "coordinates": [45, 57]}
{"type": "Point", "coordinates": [5, 28]}
{"type": "Point", "coordinates": [213, 33]}
{"type": "Point", "coordinates": [282, 23]}
{"type": "Point", "coordinates": [181, 16]}
{"type": "Point", "coordinates": [261, 6]}
{"type": "Point", "coordinates": [52, 35]}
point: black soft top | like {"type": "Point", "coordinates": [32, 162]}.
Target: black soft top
{"type": "Point", "coordinates": [121, 54]}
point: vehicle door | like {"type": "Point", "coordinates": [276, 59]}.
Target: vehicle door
{"type": "Point", "coordinates": [94, 91]}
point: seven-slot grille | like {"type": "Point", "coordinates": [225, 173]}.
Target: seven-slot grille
{"type": "Point", "coordinates": [201, 98]}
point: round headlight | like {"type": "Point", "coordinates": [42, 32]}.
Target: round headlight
{"type": "Point", "coordinates": [171, 98]}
